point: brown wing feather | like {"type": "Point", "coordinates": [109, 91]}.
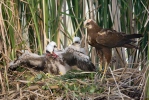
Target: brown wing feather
{"type": "Point", "coordinates": [109, 38]}
{"type": "Point", "coordinates": [112, 38]}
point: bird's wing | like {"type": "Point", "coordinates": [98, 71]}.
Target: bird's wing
{"type": "Point", "coordinates": [83, 51]}
{"type": "Point", "coordinates": [31, 59]}
{"type": "Point", "coordinates": [109, 38]}
{"type": "Point", "coordinates": [43, 63]}
{"type": "Point", "coordinates": [74, 57]}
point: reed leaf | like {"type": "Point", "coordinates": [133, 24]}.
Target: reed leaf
{"type": "Point", "coordinates": [32, 6]}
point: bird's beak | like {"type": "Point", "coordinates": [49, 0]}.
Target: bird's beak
{"type": "Point", "coordinates": [49, 53]}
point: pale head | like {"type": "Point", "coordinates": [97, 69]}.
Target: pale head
{"type": "Point", "coordinates": [76, 40]}
{"type": "Point", "coordinates": [53, 44]}
{"type": "Point", "coordinates": [87, 23]}
{"type": "Point", "coordinates": [49, 48]}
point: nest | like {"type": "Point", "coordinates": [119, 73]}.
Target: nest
{"type": "Point", "coordinates": [26, 83]}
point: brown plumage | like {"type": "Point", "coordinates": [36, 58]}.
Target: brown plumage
{"type": "Point", "coordinates": [106, 39]}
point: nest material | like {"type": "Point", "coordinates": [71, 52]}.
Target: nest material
{"type": "Point", "coordinates": [118, 85]}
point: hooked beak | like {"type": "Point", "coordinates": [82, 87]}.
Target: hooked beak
{"type": "Point", "coordinates": [48, 53]}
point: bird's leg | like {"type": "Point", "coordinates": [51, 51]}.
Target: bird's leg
{"type": "Point", "coordinates": [101, 61]}
{"type": "Point", "coordinates": [100, 54]}
{"type": "Point", "coordinates": [107, 52]}
{"type": "Point", "coordinates": [105, 70]}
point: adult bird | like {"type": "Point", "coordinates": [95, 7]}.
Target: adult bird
{"type": "Point", "coordinates": [105, 39]}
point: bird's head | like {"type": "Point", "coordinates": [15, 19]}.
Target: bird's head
{"type": "Point", "coordinates": [76, 40]}
{"type": "Point", "coordinates": [53, 44]}
{"type": "Point", "coordinates": [88, 23]}
{"type": "Point", "coordinates": [50, 51]}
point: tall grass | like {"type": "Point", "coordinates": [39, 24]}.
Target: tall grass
{"type": "Point", "coordinates": [31, 24]}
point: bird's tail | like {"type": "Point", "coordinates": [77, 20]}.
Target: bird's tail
{"type": "Point", "coordinates": [130, 46]}
{"type": "Point", "coordinates": [131, 36]}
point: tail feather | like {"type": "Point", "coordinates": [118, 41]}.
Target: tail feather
{"type": "Point", "coordinates": [130, 46]}
{"type": "Point", "coordinates": [131, 36]}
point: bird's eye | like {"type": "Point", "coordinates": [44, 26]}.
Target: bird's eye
{"type": "Point", "coordinates": [87, 23]}
{"type": "Point", "coordinates": [77, 42]}
{"type": "Point", "coordinates": [55, 46]}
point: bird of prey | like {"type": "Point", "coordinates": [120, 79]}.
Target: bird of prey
{"type": "Point", "coordinates": [56, 61]}
{"type": "Point", "coordinates": [52, 43]}
{"type": "Point", "coordinates": [48, 63]}
{"type": "Point", "coordinates": [77, 44]}
{"type": "Point", "coordinates": [74, 55]}
{"type": "Point", "coordinates": [56, 50]}
{"type": "Point", "coordinates": [105, 39]}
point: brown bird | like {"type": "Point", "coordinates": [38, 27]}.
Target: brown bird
{"type": "Point", "coordinates": [106, 39]}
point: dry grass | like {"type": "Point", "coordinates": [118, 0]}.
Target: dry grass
{"type": "Point", "coordinates": [25, 83]}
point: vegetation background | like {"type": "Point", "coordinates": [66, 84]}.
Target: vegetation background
{"type": "Point", "coordinates": [31, 24]}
